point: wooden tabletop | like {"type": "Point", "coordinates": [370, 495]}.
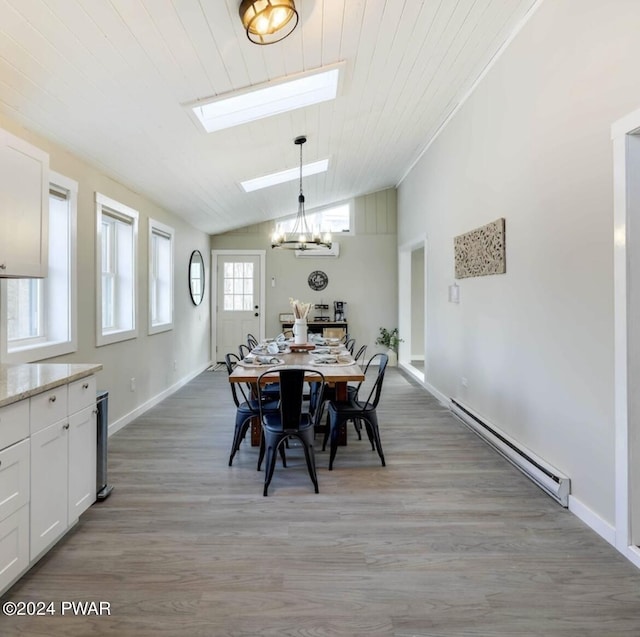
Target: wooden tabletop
{"type": "Point", "coordinates": [332, 373]}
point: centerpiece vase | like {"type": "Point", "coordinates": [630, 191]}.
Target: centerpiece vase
{"type": "Point", "coordinates": [300, 331]}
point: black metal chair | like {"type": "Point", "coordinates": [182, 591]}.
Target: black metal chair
{"type": "Point", "coordinates": [243, 350]}
{"type": "Point", "coordinates": [252, 341]}
{"type": "Point", "coordinates": [246, 407]}
{"type": "Point", "coordinates": [329, 392]}
{"type": "Point", "coordinates": [293, 419]}
{"type": "Point", "coordinates": [350, 345]}
{"type": "Point", "coordinates": [359, 410]}
{"type": "Point", "coordinates": [352, 389]}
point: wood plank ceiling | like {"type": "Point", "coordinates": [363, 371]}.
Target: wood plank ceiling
{"type": "Point", "coordinates": [109, 81]}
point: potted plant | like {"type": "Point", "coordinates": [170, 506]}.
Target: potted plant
{"type": "Point", "coordinates": [390, 340]}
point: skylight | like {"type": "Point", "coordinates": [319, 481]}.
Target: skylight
{"type": "Point", "coordinates": [267, 100]}
{"type": "Point", "coordinates": [285, 175]}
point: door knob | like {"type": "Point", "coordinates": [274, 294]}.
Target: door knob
{"type": "Point", "coordinates": [256, 314]}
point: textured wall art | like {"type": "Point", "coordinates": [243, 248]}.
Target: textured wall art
{"type": "Point", "coordinates": [481, 251]}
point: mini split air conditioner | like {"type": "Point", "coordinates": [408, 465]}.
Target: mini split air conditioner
{"type": "Point", "coordinates": [333, 251]}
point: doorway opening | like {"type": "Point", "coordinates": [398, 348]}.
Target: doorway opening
{"type": "Point", "coordinates": [412, 269]}
{"type": "Point", "coordinates": [626, 146]}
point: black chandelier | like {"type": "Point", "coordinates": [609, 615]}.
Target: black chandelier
{"type": "Point", "coordinates": [300, 237]}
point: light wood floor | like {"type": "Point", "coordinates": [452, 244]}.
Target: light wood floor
{"type": "Point", "coordinates": [448, 539]}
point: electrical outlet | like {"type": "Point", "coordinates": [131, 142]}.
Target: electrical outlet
{"type": "Point", "coordinates": [133, 384]}
{"type": "Point", "coordinates": [464, 382]}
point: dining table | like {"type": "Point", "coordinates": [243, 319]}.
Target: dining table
{"type": "Point", "coordinates": [337, 375]}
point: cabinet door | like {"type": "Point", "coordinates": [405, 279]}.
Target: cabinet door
{"type": "Point", "coordinates": [24, 208]}
{"type": "Point", "coordinates": [14, 547]}
{"type": "Point", "coordinates": [14, 478]}
{"type": "Point", "coordinates": [82, 462]}
{"type": "Point", "coordinates": [49, 466]}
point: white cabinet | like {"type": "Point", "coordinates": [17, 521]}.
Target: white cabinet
{"type": "Point", "coordinates": [49, 462]}
{"type": "Point", "coordinates": [82, 462]}
{"type": "Point", "coordinates": [14, 492]}
{"type": "Point", "coordinates": [24, 208]}
{"type": "Point", "coordinates": [48, 444]}
{"type": "Point", "coordinates": [63, 460]}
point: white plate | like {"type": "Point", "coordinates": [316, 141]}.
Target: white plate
{"type": "Point", "coordinates": [319, 363]}
{"type": "Point", "coordinates": [272, 363]}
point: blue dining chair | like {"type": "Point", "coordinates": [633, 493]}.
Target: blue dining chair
{"type": "Point", "coordinates": [363, 411]}
{"type": "Point", "coordinates": [293, 419]}
{"type": "Point", "coordinates": [247, 408]}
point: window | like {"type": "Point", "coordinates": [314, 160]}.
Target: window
{"type": "Point", "coordinates": [160, 277]}
{"type": "Point", "coordinates": [117, 234]}
{"type": "Point", "coordinates": [39, 315]}
{"type": "Point", "coordinates": [238, 286]}
{"type": "Point", "coordinates": [336, 219]}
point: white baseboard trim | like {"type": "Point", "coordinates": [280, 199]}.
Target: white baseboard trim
{"type": "Point", "coordinates": [411, 371]}
{"type": "Point", "coordinates": [152, 402]}
{"type": "Point", "coordinates": [442, 399]}
{"type": "Point", "coordinates": [593, 520]}
{"type": "Point", "coordinates": [632, 553]}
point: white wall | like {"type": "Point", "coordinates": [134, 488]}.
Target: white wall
{"type": "Point", "coordinates": [532, 144]}
{"type": "Point", "coordinates": [364, 275]}
{"type": "Point", "coordinates": [148, 359]}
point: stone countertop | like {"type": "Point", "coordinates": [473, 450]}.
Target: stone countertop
{"type": "Point", "coordinates": [18, 382]}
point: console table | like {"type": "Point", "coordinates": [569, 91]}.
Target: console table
{"type": "Point", "coordinates": [335, 329]}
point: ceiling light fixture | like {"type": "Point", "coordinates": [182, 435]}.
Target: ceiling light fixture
{"type": "Point", "coordinates": [268, 21]}
{"type": "Point", "coordinates": [301, 237]}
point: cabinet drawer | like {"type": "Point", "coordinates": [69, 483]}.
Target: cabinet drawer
{"type": "Point", "coordinates": [14, 547]}
{"type": "Point", "coordinates": [14, 478]}
{"type": "Point", "coordinates": [14, 423]}
{"type": "Point", "coordinates": [48, 407]}
{"type": "Point", "coordinates": [82, 393]}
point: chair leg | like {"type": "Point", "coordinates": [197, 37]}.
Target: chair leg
{"type": "Point", "coordinates": [307, 445]}
{"type": "Point", "coordinates": [334, 431]}
{"type": "Point", "coordinates": [325, 438]}
{"type": "Point", "coordinates": [238, 436]}
{"type": "Point", "coordinates": [270, 465]}
{"type": "Point", "coordinates": [371, 423]}
{"type": "Point", "coordinates": [357, 425]}
{"type": "Point", "coordinates": [261, 453]}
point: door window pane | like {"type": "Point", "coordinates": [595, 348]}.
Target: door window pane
{"type": "Point", "coordinates": [238, 286]}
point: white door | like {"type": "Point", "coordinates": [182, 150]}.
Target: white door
{"type": "Point", "coordinates": [238, 301]}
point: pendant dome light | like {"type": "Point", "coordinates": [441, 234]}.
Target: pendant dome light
{"type": "Point", "coordinates": [268, 21]}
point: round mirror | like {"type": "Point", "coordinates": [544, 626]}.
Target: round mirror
{"type": "Point", "coordinates": [196, 277]}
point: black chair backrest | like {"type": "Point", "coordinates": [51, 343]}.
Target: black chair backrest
{"type": "Point", "coordinates": [350, 345]}
{"type": "Point", "coordinates": [374, 394]}
{"type": "Point", "coordinates": [360, 354]}
{"type": "Point", "coordinates": [243, 350]}
{"type": "Point", "coordinates": [292, 392]}
{"type": "Point", "coordinates": [231, 360]}
{"type": "Point", "coordinates": [252, 341]}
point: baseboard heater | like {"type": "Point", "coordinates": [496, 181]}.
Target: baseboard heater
{"type": "Point", "coordinates": [550, 480]}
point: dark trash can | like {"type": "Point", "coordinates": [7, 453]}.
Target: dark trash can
{"type": "Point", "coordinates": [103, 489]}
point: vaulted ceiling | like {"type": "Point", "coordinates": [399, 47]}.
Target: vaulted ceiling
{"type": "Point", "coordinates": [109, 80]}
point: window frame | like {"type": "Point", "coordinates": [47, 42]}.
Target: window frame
{"type": "Point", "coordinates": [44, 346]}
{"type": "Point", "coordinates": [127, 215]}
{"type": "Point", "coordinates": [161, 229]}
{"type": "Point", "coordinates": [321, 210]}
